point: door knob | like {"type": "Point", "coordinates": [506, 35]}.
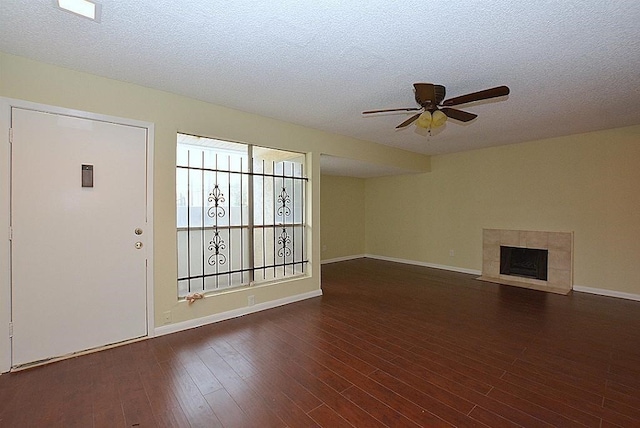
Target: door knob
{"type": "Point", "coordinates": [138, 245]}
{"type": "Point", "coordinates": [138, 231]}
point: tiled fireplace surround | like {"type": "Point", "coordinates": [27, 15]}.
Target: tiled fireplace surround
{"type": "Point", "coordinates": [560, 264]}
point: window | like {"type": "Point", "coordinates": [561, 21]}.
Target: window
{"type": "Point", "coordinates": [240, 214]}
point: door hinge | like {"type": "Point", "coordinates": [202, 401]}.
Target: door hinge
{"type": "Point", "coordinates": [10, 330]}
{"type": "Point", "coordinates": [10, 135]}
{"type": "Point", "coordinates": [10, 233]}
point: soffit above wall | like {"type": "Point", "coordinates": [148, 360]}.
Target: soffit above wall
{"type": "Point", "coordinates": [333, 165]}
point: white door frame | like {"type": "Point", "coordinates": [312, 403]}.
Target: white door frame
{"type": "Point", "coordinates": [5, 211]}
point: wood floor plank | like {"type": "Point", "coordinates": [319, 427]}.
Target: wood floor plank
{"type": "Point", "coordinates": [491, 419]}
{"type": "Point", "coordinates": [554, 383]}
{"type": "Point", "coordinates": [202, 377]}
{"type": "Point", "coordinates": [107, 406]}
{"type": "Point", "coordinates": [618, 419]}
{"type": "Point", "coordinates": [443, 370]}
{"type": "Point", "coordinates": [234, 359]}
{"type": "Point", "coordinates": [363, 361]}
{"type": "Point", "coordinates": [164, 404]}
{"type": "Point", "coordinates": [106, 417]}
{"type": "Point", "coordinates": [377, 409]}
{"type": "Point", "coordinates": [623, 394]}
{"type": "Point", "coordinates": [480, 399]}
{"type": "Point", "coordinates": [226, 409]}
{"type": "Point", "coordinates": [329, 418]}
{"type": "Point", "coordinates": [419, 415]}
{"type": "Point", "coordinates": [282, 405]}
{"type": "Point", "coordinates": [299, 355]}
{"type": "Point", "coordinates": [533, 409]}
{"type": "Point", "coordinates": [296, 392]}
{"type": "Point", "coordinates": [426, 385]}
{"type": "Point", "coordinates": [583, 412]}
{"type": "Point", "coordinates": [232, 369]}
{"type": "Point", "coordinates": [278, 377]}
{"type": "Point", "coordinates": [332, 398]}
{"type": "Point", "coordinates": [135, 403]}
{"type": "Point", "coordinates": [440, 409]}
{"type": "Point", "coordinates": [193, 404]}
{"type": "Point", "coordinates": [592, 384]}
{"type": "Point", "coordinates": [624, 409]}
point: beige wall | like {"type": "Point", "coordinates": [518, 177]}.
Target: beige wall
{"type": "Point", "coordinates": [341, 216]}
{"type": "Point", "coordinates": [32, 81]}
{"type": "Point", "coordinates": [586, 183]}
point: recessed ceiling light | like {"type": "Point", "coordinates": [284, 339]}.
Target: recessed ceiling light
{"type": "Point", "coordinates": [85, 8]}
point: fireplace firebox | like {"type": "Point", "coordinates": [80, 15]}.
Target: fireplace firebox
{"type": "Point", "coordinates": [524, 262]}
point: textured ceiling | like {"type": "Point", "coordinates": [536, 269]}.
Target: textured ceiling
{"type": "Point", "coordinates": [572, 66]}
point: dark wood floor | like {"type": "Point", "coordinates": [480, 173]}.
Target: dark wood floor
{"type": "Point", "coordinates": [387, 345]}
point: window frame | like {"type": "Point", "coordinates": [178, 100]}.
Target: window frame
{"type": "Point", "coordinates": [294, 267]}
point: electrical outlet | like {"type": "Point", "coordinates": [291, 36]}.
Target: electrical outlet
{"type": "Point", "coordinates": [251, 300]}
{"type": "Point", "coordinates": [167, 317]}
{"type": "Point", "coordinates": [452, 253]}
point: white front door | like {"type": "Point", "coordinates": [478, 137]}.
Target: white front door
{"type": "Point", "coordinates": [78, 254]}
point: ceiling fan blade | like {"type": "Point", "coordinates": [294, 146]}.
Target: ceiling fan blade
{"type": "Point", "coordinates": [460, 115]}
{"type": "Point", "coordinates": [409, 121]}
{"type": "Point", "coordinates": [392, 109]}
{"type": "Point", "coordinates": [498, 91]}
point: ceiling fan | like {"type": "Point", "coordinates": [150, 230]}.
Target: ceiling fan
{"type": "Point", "coordinates": [434, 111]}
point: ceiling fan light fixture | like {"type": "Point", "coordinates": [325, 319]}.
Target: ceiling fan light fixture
{"type": "Point", "coordinates": [438, 118]}
{"type": "Point", "coordinates": [429, 120]}
{"type": "Point", "coordinates": [425, 120]}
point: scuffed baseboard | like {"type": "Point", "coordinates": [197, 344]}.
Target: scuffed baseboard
{"type": "Point", "coordinates": [198, 322]}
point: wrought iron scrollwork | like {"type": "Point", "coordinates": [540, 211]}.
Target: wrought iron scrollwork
{"type": "Point", "coordinates": [283, 201]}
{"type": "Point", "coordinates": [217, 197]}
{"type": "Point", "coordinates": [215, 245]}
{"type": "Point", "coordinates": [284, 240]}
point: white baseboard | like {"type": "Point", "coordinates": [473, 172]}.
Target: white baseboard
{"type": "Point", "coordinates": [343, 259]}
{"type": "Point", "coordinates": [185, 325]}
{"type": "Point", "coordinates": [425, 264]}
{"type": "Point", "coordinates": [608, 293]}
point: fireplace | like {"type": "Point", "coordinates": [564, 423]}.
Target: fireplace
{"type": "Point", "coordinates": [536, 259]}
{"type": "Point", "coordinates": [524, 262]}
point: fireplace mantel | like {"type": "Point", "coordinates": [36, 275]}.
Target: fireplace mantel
{"type": "Point", "coordinates": [560, 261]}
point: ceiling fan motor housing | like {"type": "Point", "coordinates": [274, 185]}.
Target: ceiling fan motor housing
{"type": "Point", "coordinates": [430, 99]}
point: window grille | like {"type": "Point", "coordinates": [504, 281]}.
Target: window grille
{"type": "Point", "coordinates": [240, 214]}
